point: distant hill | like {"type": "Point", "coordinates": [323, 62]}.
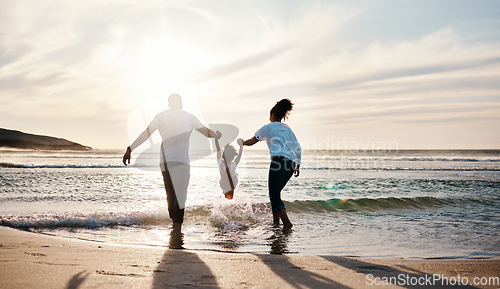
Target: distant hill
{"type": "Point", "coordinates": [21, 140]}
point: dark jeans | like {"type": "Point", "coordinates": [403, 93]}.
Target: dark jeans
{"type": "Point", "coordinates": [178, 172]}
{"type": "Point", "coordinates": [280, 171]}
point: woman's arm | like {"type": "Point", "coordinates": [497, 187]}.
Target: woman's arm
{"type": "Point", "coordinates": [297, 170]}
{"type": "Point", "coordinates": [251, 142]}
{"type": "Point", "coordinates": [298, 155]}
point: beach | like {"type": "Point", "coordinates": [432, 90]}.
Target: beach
{"type": "Point", "coordinates": [30, 260]}
{"type": "Point", "coordinates": [250, 144]}
{"type": "Point", "coordinates": [401, 204]}
{"type": "Point", "coordinates": [405, 219]}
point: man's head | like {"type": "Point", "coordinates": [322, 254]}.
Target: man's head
{"type": "Point", "coordinates": [175, 101]}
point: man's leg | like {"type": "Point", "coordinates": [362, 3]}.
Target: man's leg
{"type": "Point", "coordinates": [175, 212]}
{"type": "Point", "coordinates": [177, 228]}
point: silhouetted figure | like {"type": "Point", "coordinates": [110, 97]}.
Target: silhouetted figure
{"type": "Point", "coordinates": [227, 161]}
{"type": "Point", "coordinates": [285, 157]}
{"type": "Point", "coordinates": [175, 126]}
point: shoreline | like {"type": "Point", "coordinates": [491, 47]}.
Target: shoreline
{"type": "Point", "coordinates": [229, 251]}
{"type": "Point", "coordinates": [33, 260]}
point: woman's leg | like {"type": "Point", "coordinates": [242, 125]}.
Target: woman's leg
{"type": "Point", "coordinates": [287, 225]}
{"type": "Point", "coordinates": [280, 171]}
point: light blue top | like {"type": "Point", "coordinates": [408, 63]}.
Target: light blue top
{"type": "Point", "coordinates": [280, 140]}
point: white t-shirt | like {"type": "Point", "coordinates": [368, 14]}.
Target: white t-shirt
{"type": "Point", "coordinates": [281, 140]}
{"type": "Point", "coordinates": [175, 127]}
{"type": "Point", "coordinates": [224, 180]}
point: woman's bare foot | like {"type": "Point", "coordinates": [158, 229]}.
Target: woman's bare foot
{"type": "Point", "coordinates": [276, 220]}
{"type": "Point", "coordinates": [287, 227]}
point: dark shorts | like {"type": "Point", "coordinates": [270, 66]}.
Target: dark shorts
{"type": "Point", "coordinates": [176, 179]}
{"type": "Point", "coordinates": [280, 171]}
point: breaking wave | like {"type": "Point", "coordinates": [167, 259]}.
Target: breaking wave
{"type": "Point", "coordinates": [221, 215]}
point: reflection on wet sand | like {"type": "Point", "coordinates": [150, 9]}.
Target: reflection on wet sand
{"type": "Point", "coordinates": [278, 243]}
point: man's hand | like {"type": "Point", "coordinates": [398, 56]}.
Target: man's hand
{"type": "Point", "coordinates": [218, 135]}
{"type": "Point", "coordinates": [126, 156]}
{"type": "Point", "coordinates": [297, 171]}
{"type": "Point", "coordinates": [240, 142]}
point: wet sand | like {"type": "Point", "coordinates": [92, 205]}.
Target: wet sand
{"type": "Point", "coordinates": [30, 260]}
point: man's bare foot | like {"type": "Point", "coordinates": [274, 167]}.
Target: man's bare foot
{"type": "Point", "coordinates": [287, 227]}
{"type": "Point", "coordinates": [176, 240]}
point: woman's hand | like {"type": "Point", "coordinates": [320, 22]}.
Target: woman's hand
{"type": "Point", "coordinates": [240, 142]}
{"type": "Point", "coordinates": [297, 171]}
{"type": "Point", "coordinates": [251, 141]}
{"type": "Point", "coordinates": [126, 156]}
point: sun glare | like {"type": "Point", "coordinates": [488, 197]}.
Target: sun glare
{"type": "Point", "coordinates": [158, 69]}
{"type": "Point", "coordinates": [165, 66]}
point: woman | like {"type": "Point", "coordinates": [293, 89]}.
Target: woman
{"type": "Point", "coordinates": [285, 157]}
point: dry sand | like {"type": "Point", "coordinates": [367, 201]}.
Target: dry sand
{"type": "Point", "coordinates": [30, 260]}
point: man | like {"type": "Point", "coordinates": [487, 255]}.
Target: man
{"type": "Point", "coordinates": [175, 126]}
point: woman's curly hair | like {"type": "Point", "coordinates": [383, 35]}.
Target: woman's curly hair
{"type": "Point", "coordinates": [282, 109]}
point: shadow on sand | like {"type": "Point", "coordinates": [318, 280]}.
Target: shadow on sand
{"type": "Point", "coordinates": [179, 268]}
{"type": "Point", "coordinates": [383, 271]}
{"type": "Point", "coordinates": [295, 276]}
{"type": "Point", "coordinates": [77, 280]}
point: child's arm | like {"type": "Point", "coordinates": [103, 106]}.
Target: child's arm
{"type": "Point", "coordinates": [217, 137]}
{"type": "Point", "coordinates": [240, 143]}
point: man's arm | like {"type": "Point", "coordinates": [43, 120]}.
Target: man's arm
{"type": "Point", "coordinates": [140, 139]}
{"type": "Point", "coordinates": [238, 158]}
{"type": "Point", "coordinates": [127, 156]}
{"type": "Point", "coordinates": [206, 132]}
{"type": "Point", "coordinates": [251, 141]}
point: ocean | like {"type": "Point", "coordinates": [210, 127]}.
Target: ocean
{"type": "Point", "coordinates": [394, 203]}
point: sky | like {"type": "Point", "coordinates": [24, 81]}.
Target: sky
{"type": "Point", "coordinates": [379, 74]}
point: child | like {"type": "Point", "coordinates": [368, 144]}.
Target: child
{"type": "Point", "coordinates": [227, 167]}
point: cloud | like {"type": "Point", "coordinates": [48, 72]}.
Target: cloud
{"type": "Point", "coordinates": [240, 64]}
{"type": "Point", "coordinates": [70, 61]}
